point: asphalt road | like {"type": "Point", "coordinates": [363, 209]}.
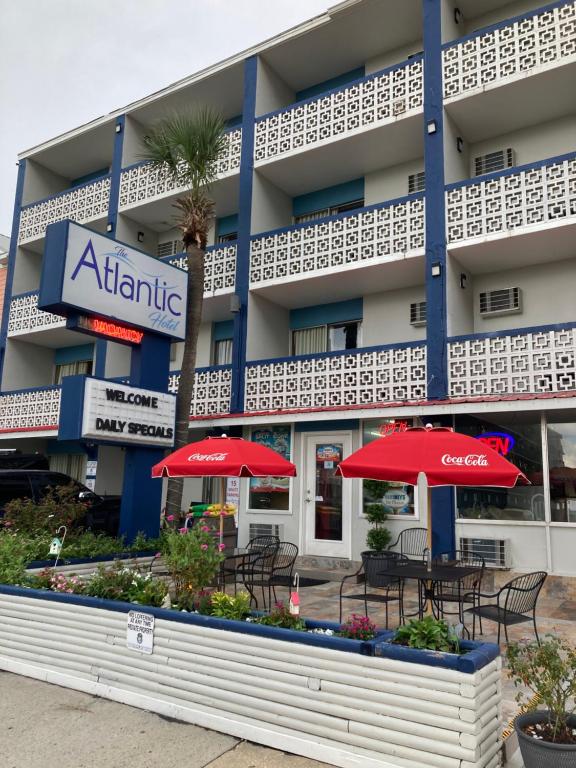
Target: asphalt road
{"type": "Point", "coordinates": [45, 726]}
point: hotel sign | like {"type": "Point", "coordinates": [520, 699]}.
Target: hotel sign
{"type": "Point", "coordinates": [85, 272]}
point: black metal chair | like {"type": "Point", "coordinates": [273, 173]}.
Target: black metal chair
{"type": "Point", "coordinates": [513, 601]}
{"type": "Point", "coordinates": [238, 568]}
{"type": "Point", "coordinates": [372, 574]}
{"type": "Point", "coordinates": [463, 591]}
{"type": "Point", "coordinates": [272, 567]}
{"type": "Point", "coordinates": [412, 542]}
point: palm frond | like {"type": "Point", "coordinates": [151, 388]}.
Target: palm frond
{"type": "Point", "coordinates": [187, 146]}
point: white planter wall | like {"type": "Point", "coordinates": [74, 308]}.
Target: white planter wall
{"type": "Point", "coordinates": [342, 708]}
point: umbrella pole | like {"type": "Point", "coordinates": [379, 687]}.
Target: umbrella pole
{"type": "Point", "coordinates": [429, 586]}
{"type": "Point", "coordinates": [223, 503]}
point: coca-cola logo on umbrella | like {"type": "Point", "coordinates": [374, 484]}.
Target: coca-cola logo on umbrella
{"type": "Point", "coordinates": [207, 456]}
{"type": "Point", "coordinates": [471, 460]}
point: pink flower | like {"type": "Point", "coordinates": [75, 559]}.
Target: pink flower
{"type": "Point", "coordinates": [158, 554]}
{"type": "Point", "coordinates": [182, 530]}
{"type": "Point", "coordinates": [170, 518]}
{"type": "Point", "coordinates": [204, 546]}
{"type": "Point", "coordinates": [221, 547]}
{"type": "Point", "coordinates": [205, 529]}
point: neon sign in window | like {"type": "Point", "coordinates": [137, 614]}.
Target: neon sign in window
{"type": "Point", "coordinates": [501, 442]}
{"type": "Point", "coordinates": [111, 330]}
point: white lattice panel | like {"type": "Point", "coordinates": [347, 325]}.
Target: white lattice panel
{"type": "Point", "coordinates": [535, 196]}
{"type": "Point", "coordinates": [143, 183]}
{"type": "Point", "coordinates": [25, 316]}
{"type": "Point", "coordinates": [212, 391]}
{"type": "Point", "coordinates": [82, 204]}
{"type": "Point", "coordinates": [543, 40]}
{"type": "Point", "coordinates": [508, 365]}
{"type": "Point", "coordinates": [219, 268]}
{"type": "Point", "coordinates": [372, 101]}
{"type": "Point", "coordinates": [348, 379]}
{"type": "Point", "coordinates": [378, 233]}
{"type": "Point", "coordinates": [28, 410]}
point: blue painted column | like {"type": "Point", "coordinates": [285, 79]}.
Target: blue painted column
{"type": "Point", "coordinates": [244, 226]}
{"type": "Point", "coordinates": [11, 263]}
{"type": "Point", "coordinates": [141, 495]}
{"type": "Point", "coordinates": [443, 511]}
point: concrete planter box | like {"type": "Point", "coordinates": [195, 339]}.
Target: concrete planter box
{"type": "Point", "coordinates": [302, 693]}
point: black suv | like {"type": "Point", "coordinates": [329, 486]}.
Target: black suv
{"type": "Point", "coordinates": [103, 511]}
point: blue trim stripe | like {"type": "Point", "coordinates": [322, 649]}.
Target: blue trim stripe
{"type": "Point", "coordinates": [512, 171]}
{"type": "Point", "coordinates": [506, 23]}
{"type": "Point", "coordinates": [322, 355]}
{"type": "Point", "coordinates": [371, 76]}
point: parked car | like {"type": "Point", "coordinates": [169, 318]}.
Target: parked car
{"type": "Point", "coordinates": [103, 513]}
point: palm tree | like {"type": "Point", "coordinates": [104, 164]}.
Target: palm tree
{"type": "Point", "coordinates": [187, 148]}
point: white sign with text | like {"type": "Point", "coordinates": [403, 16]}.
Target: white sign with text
{"type": "Point", "coordinates": [140, 632]}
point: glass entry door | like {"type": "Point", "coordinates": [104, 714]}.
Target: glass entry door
{"type": "Point", "coordinates": [327, 498]}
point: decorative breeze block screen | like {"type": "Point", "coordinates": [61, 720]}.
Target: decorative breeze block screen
{"type": "Point", "coordinates": [212, 391]}
{"type": "Point", "coordinates": [32, 409]}
{"type": "Point", "coordinates": [219, 268]}
{"type": "Point", "coordinates": [376, 375]}
{"type": "Point", "coordinates": [25, 316]}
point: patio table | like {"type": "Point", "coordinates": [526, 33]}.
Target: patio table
{"type": "Point", "coordinates": [427, 578]}
{"type": "Point", "coordinates": [233, 557]}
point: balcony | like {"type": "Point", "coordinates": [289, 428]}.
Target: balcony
{"type": "Point", "coordinates": [141, 183]}
{"type": "Point", "coordinates": [30, 410]}
{"type": "Point", "coordinates": [81, 204]}
{"type": "Point", "coordinates": [364, 377]}
{"type": "Point", "coordinates": [520, 362]}
{"type": "Point", "coordinates": [512, 74]}
{"type": "Point", "coordinates": [25, 317]}
{"type": "Point", "coordinates": [219, 268]}
{"type": "Point", "coordinates": [374, 235]}
{"type": "Point", "coordinates": [492, 213]}
{"type": "Point", "coordinates": [212, 390]}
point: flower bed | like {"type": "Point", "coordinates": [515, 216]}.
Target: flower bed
{"type": "Point", "coordinates": [311, 694]}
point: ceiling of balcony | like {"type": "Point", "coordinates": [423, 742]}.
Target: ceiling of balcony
{"type": "Point", "coordinates": [354, 34]}
{"type": "Point", "coordinates": [53, 338]}
{"type": "Point", "coordinates": [518, 104]}
{"type": "Point", "coordinates": [81, 154]}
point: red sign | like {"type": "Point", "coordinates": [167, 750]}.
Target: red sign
{"type": "Point", "coordinates": [111, 330]}
{"type": "Point", "coordinates": [500, 442]}
{"type": "Point", "coordinates": [392, 426]}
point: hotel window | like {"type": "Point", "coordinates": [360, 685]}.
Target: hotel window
{"type": "Point", "coordinates": [333, 337]}
{"type": "Point", "coordinates": [396, 498]}
{"type": "Point", "coordinates": [72, 369]}
{"type": "Point", "coordinates": [222, 352]}
{"type": "Point", "coordinates": [332, 210]}
{"type": "Point", "coordinates": [517, 436]}
{"type": "Point", "coordinates": [271, 493]}
{"type": "Point", "coordinates": [562, 470]}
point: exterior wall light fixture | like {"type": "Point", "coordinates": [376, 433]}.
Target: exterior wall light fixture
{"type": "Point", "coordinates": [140, 237]}
{"type": "Point", "coordinates": [118, 128]}
{"type": "Point", "coordinates": [463, 279]}
{"type": "Point", "coordinates": [431, 126]}
{"type": "Point", "coordinates": [235, 303]}
{"type": "Point", "coordinates": [458, 16]}
{"type": "Point", "coordinates": [436, 269]}
{"type": "Point", "coordinates": [459, 143]}
{"type": "Point", "coordinates": [109, 227]}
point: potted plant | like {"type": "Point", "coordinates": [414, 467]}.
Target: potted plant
{"type": "Point", "coordinates": [377, 540]}
{"type": "Point", "coordinates": [547, 737]}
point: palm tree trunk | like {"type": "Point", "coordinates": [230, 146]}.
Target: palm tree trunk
{"type": "Point", "coordinates": [195, 292]}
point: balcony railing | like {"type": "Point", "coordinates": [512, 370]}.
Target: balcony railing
{"type": "Point", "coordinates": [212, 390]}
{"type": "Point", "coordinates": [35, 409]}
{"type": "Point", "coordinates": [141, 183]}
{"type": "Point", "coordinates": [26, 317]}
{"type": "Point", "coordinates": [373, 234]}
{"type": "Point", "coordinates": [364, 104]}
{"type": "Point", "coordinates": [370, 376]}
{"type": "Point", "coordinates": [510, 49]}
{"type": "Point", "coordinates": [519, 362]}
{"type": "Point", "coordinates": [84, 203]}
{"type": "Point", "coordinates": [219, 267]}
{"type": "Point", "coordinates": [535, 195]}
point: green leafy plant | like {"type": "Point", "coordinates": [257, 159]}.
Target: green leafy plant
{"type": "Point", "coordinates": [128, 584]}
{"type": "Point", "coordinates": [15, 553]}
{"type": "Point", "coordinates": [230, 606]}
{"type": "Point", "coordinates": [55, 582]}
{"type": "Point", "coordinates": [192, 558]}
{"type": "Point", "coordinates": [428, 634]}
{"type": "Point", "coordinates": [549, 671]}
{"type": "Point", "coordinates": [357, 628]}
{"type": "Point", "coordinates": [59, 506]}
{"type": "Point", "coordinates": [280, 616]}
{"type": "Point", "coordinates": [378, 537]}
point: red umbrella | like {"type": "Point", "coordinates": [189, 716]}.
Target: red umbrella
{"type": "Point", "coordinates": [224, 457]}
{"type": "Point", "coordinates": [443, 456]}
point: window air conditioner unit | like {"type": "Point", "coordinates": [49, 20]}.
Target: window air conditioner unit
{"type": "Point", "coordinates": [418, 313]}
{"type": "Point", "coordinates": [501, 301]}
{"type": "Point", "coordinates": [265, 529]}
{"type": "Point", "coordinates": [169, 248]}
{"type": "Point", "coordinates": [416, 182]}
{"type": "Point", "coordinates": [496, 552]}
{"type": "Point", "coordinates": [494, 161]}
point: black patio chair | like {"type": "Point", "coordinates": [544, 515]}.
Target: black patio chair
{"type": "Point", "coordinates": [272, 567]}
{"type": "Point", "coordinates": [463, 591]}
{"type": "Point", "coordinates": [378, 587]}
{"type": "Point", "coordinates": [513, 601]}
{"type": "Point", "coordinates": [237, 568]}
{"type": "Point", "coordinates": [412, 542]}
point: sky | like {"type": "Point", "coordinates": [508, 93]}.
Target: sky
{"type": "Point", "coordinates": [66, 62]}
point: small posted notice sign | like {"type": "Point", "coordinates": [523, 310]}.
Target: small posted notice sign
{"type": "Point", "coordinates": [140, 632]}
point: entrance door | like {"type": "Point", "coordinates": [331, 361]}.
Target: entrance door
{"type": "Point", "coordinates": [327, 499]}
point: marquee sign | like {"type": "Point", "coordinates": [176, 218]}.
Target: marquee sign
{"type": "Point", "coordinates": [105, 329]}
{"type": "Point", "coordinates": [83, 271]}
{"type": "Point", "coordinates": [105, 411]}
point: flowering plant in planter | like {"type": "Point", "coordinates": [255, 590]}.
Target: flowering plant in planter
{"type": "Point", "coordinates": [358, 628]}
{"type": "Point", "coordinates": [280, 616]}
{"type": "Point", "coordinates": [192, 557]}
{"type": "Point", "coordinates": [548, 670]}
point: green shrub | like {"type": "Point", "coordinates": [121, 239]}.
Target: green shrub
{"type": "Point", "coordinates": [15, 554]}
{"type": "Point", "coordinates": [128, 584]}
{"type": "Point", "coordinates": [230, 606]}
{"type": "Point", "coordinates": [378, 537]}
{"type": "Point", "coordinates": [59, 506]}
{"type": "Point", "coordinates": [192, 558]}
{"type": "Point", "coordinates": [428, 634]}
{"type": "Point", "coordinates": [280, 616]}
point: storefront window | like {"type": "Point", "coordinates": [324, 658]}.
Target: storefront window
{"type": "Point", "coordinates": [562, 471]}
{"type": "Point", "coordinates": [397, 498]}
{"type": "Point", "coordinates": [271, 493]}
{"type": "Point", "coordinates": [517, 436]}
